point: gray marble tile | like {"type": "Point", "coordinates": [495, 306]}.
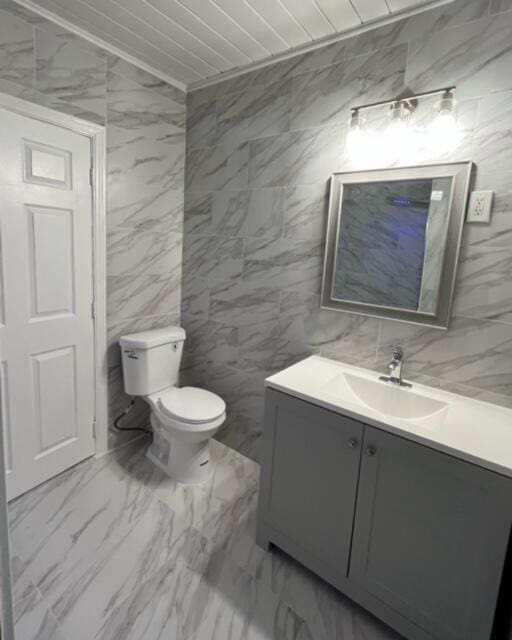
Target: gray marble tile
{"type": "Point", "coordinates": [67, 72]}
{"type": "Point", "coordinates": [64, 35]}
{"type": "Point", "coordinates": [16, 49]}
{"type": "Point", "coordinates": [267, 347]}
{"type": "Point", "coordinates": [121, 67]}
{"type": "Point", "coordinates": [286, 266]}
{"type": "Point", "coordinates": [326, 96]}
{"type": "Point", "coordinates": [217, 167]}
{"type": "Point", "coordinates": [37, 97]}
{"type": "Point", "coordinates": [195, 298]}
{"type": "Point", "coordinates": [239, 304]}
{"type": "Point", "coordinates": [500, 6]}
{"type": "Point", "coordinates": [236, 213]}
{"type": "Point", "coordinates": [198, 213]}
{"type": "Point", "coordinates": [133, 105]}
{"type": "Point", "coordinates": [209, 341]}
{"type": "Point", "coordinates": [17, 10]}
{"type": "Point", "coordinates": [299, 157]}
{"type": "Point", "coordinates": [144, 207]}
{"type": "Point", "coordinates": [34, 620]}
{"type": "Point", "coordinates": [201, 125]}
{"type": "Point", "coordinates": [473, 352]}
{"type": "Point", "coordinates": [21, 583]}
{"type": "Point", "coordinates": [248, 213]}
{"type": "Point", "coordinates": [213, 258]}
{"type": "Point", "coordinates": [306, 210]}
{"type": "Point", "coordinates": [280, 71]}
{"type": "Point", "coordinates": [135, 296]}
{"type": "Point", "coordinates": [476, 57]}
{"type": "Point", "coordinates": [493, 132]}
{"type": "Point", "coordinates": [341, 335]}
{"type": "Point", "coordinates": [254, 113]}
{"type": "Point", "coordinates": [427, 22]}
{"type": "Point", "coordinates": [484, 287]}
{"type": "Point", "coordinates": [111, 544]}
{"type": "Point", "coordinates": [134, 156]}
{"type": "Point", "coordinates": [131, 251]}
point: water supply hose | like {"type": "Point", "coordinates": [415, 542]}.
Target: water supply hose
{"type": "Point", "coordinates": [123, 414]}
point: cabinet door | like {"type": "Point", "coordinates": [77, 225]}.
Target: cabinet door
{"type": "Point", "coordinates": [430, 536]}
{"type": "Point", "coordinates": [309, 480]}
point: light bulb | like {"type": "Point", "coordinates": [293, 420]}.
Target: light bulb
{"type": "Point", "coordinates": [444, 134]}
{"type": "Point", "coordinates": [359, 141]}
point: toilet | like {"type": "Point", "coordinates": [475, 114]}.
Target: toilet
{"type": "Point", "coordinates": [184, 419]}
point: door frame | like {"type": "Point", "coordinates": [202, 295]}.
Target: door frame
{"type": "Point", "coordinates": [97, 135]}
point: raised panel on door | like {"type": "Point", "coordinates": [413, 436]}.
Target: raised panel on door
{"type": "Point", "coordinates": [55, 385]}
{"type": "Point", "coordinates": [46, 165]}
{"type": "Point", "coordinates": [310, 468]}
{"type": "Point", "coordinates": [430, 537]}
{"type": "Point", "coordinates": [52, 268]}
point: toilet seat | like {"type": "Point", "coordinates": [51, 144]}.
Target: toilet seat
{"type": "Point", "coordinates": [190, 405]}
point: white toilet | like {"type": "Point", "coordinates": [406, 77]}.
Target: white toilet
{"type": "Point", "coordinates": [183, 419]}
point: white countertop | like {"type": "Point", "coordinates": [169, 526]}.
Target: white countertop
{"type": "Point", "coordinates": [476, 431]}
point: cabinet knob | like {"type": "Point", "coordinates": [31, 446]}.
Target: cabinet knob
{"type": "Point", "coordinates": [352, 443]}
{"type": "Point", "coordinates": [370, 450]}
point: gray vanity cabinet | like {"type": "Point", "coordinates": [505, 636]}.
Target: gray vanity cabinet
{"type": "Point", "coordinates": [309, 482]}
{"type": "Point", "coordinates": [416, 536]}
{"type": "Point", "coordinates": [430, 536]}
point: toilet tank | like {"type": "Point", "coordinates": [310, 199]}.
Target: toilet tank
{"type": "Point", "coordinates": [151, 360]}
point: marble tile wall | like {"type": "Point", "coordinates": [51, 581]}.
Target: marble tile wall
{"type": "Point", "coordinates": [260, 149]}
{"type": "Point", "coordinates": [145, 120]}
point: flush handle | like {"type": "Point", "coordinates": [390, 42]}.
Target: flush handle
{"type": "Point", "coordinates": [370, 450]}
{"type": "Point", "coordinates": [352, 443]}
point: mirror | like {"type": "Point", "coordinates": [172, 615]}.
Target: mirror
{"type": "Point", "coordinates": [393, 239]}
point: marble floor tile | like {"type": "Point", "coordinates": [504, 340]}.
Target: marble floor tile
{"type": "Point", "coordinates": [115, 550]}
{"type": "Point", "coordinates": [34, 620]}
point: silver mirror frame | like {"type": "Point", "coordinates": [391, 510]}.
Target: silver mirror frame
{"type": "Point", "coordinates": [461, 173]}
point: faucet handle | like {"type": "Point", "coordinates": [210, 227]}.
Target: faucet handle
{"type": "Point", "coordinates": [398, 353]}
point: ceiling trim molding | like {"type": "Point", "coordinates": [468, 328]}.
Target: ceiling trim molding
{"type": "Point", "coordinates": [316, 44]}
{"type": "Point", "coordinates": [86, 35]}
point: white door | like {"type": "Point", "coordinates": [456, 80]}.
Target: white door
{"type": "Point", "coordinates": [46, 293]}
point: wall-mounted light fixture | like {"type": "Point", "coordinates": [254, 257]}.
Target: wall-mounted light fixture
{"type": "Point", "coordinates": [403, 138]}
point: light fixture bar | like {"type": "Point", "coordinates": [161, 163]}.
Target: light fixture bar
{"type": "Point", "coordinates": [418, 96]}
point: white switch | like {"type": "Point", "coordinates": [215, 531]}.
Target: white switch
{"type": "Point", "coordinates": [480, 204]}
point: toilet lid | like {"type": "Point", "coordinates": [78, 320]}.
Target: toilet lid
{"type": "Point", "coordinates": [190, 404]}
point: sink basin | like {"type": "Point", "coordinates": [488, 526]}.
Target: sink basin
{"type": "Point", "coordinates": [396, 402]}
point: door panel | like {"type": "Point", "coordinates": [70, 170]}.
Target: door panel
{"type": "Point", "coordinates": [47, 330]}
{"type": "Point", "coordinates": [54, 375]}
{"type": "Point", "coordinates": [46, 165]}
{"type": "Point", "coordinates": [5, 417]}
{"type": "Point", "coordinates": [50, 247]}
{"type": "Point", "coordinates": [310, 496]}
{"type": "Point", "coordinates": [430, 536]}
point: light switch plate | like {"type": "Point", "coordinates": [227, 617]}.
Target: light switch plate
{"type": "Point", "coordinates": [480, 205]}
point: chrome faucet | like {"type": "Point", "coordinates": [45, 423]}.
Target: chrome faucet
{"type": "Point", "coordinates": [395, 367]}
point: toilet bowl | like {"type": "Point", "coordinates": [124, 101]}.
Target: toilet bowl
{"type": "Point", "coordinates": [183, 419]}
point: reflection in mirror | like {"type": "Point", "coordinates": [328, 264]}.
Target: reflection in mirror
{"type": "Point", "coordinates": [389, 243]}
{"type": "Point", "coordinates": [393, 241]}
